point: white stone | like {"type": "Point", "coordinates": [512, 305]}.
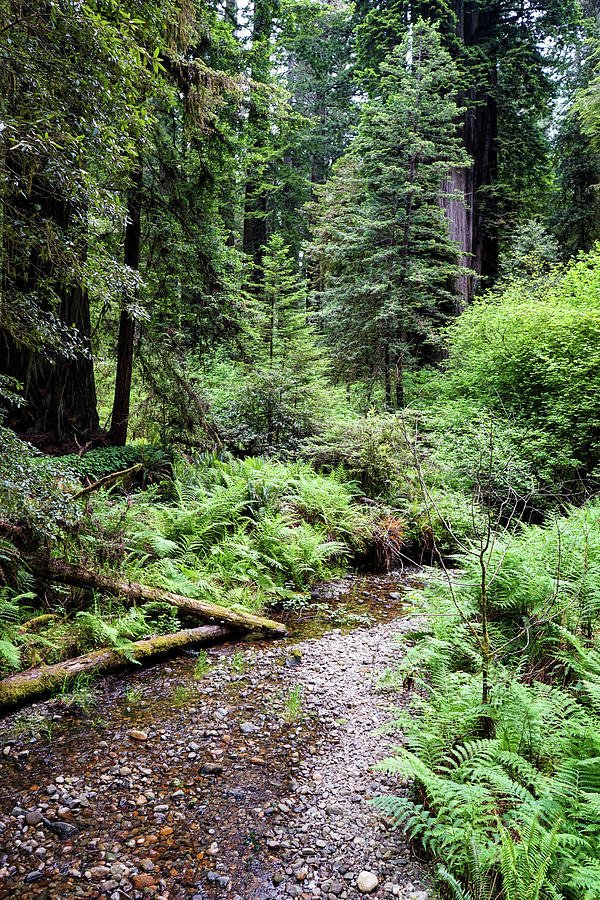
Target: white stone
{"type": "Point", "coordinates": [367, 882]}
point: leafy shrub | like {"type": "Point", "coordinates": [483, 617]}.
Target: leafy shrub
{"type": "Point", "coordinates": [96, 464]}
{"type": "Point", "coordinates": [530, 353]}
{"type": "Point", "coordinates": [472, 452]}
{"type": "Point", "coordinates": [262, 409]}
{"type": "Point", "coordinates": [28, 488]}
{"type": "Point", "coordinates": [378, 452]}
{"type": "Point", "coordinates": [372, 449]}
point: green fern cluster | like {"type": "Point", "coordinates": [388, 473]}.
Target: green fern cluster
{"type": "Point", "coordinates": [15, 641]}
{"type": "Point", "coordinates": [242, 532]}
{"type": "Point", "coordinates": [507, 792]}
{"type": "Point", "coordinates": [119, 629]}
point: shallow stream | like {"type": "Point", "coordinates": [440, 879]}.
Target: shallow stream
{"type": "Point", "coordinates": [179, 775]}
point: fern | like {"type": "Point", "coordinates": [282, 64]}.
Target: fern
{"type": "Point", "coordinates": [12, 610]}
{"type": "Point", "coordinates": [528, 795]}
{"type": "Point", "coordinates": [525, 861]}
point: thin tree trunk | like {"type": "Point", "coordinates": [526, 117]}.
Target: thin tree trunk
{"type": "Point", "coordinates": [387, 374]}
{"type": "Point", "coordinates": [399, 383]}
{"type": "Point", "coordinates": [231, 14]}
{"type": "Point", "coordinates": [255, 206]}
{"type": "Point", "coordinates": [122, 398]}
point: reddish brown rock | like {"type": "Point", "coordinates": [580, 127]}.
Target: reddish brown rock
{"type": "Point", "coordinates": [142, 881]}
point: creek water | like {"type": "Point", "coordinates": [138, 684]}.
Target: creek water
{"type": "Point", "coordinates": [183, 809]}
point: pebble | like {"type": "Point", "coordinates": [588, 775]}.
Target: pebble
{"type": "Point", "coordinates": [99, 873]}
{"type": "Point", "coordinates": [367, 882]}
{"type": "Point", "coordinates": [136, 735]}
{"type": "Point", "coordinates": [33, 817]}
{"type": "Point", "coordinates": [211, 768]}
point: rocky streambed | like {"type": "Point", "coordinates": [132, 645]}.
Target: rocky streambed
{"type": "Point", "coordinates": [240, 774]}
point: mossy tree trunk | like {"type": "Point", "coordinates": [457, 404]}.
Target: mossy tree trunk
{"type": "Point", "coordinates": [77, 576]}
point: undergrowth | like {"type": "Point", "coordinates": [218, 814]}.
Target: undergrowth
{"type": "Point", "coordinates": [505, 794]}
{"type": "Point", "coordinates": [242, 533]}
{"type": "Point", "coordinates": [248, 534]}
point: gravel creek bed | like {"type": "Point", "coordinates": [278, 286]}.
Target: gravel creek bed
{"type": "Point", "coordinates": [251, 781]}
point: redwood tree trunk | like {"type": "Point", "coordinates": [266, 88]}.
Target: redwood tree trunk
{"type": "Point", "coordinates": [474, 223]}
{"type": "Point", "coordinates": [58, 390]}
{"type": "Point", "coordinates": [255, 206]}
{"type": "Point", "coordinates": [122, 398]}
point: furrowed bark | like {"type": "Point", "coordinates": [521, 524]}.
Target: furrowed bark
{"type": "Point", "coordinates": [77, 576]}
{"type": "Point", "coordinates": [33, 684]}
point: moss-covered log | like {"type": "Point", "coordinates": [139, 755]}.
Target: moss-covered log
{"type": "Point", "coordinates": [109, 479]}
{"type": "Point", "coordinates": [77, 576]}
{"type": "Point", "coordinates": [34, 684]}
{"type": "Point", "coordinates": [38, 622]}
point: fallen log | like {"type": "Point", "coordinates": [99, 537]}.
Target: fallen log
{"type": "Point", "coordinates": [108, 479]}
{"type": "Point", "coordinates": [77, 576]}
{"type": "Point", "coordinates": [34, 684]}
{"type": "Point", "coordinates": [38, 622]}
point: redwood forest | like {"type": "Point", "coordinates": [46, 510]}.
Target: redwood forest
{"type": "Point", "coordinates": [300, 449]}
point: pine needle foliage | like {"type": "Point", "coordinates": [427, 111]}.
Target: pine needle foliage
{"type": "Point", "coordinates": [381, 238]}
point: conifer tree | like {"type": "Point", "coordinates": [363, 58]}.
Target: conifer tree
{"type": "Point", "coordinates": [285, 368]}
{"type": "Point", "coordinates": [392, 282]}
{"type": "Point", "coordinates": [509, 59]}
{"type": "Point", "coordinates": [255, 205]}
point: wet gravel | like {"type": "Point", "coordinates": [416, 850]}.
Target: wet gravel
{"type": "Point", "coordinates": [250, 781]}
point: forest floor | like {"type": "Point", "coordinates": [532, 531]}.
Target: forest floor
{"type": "Point", "coordinates": [244, 774]}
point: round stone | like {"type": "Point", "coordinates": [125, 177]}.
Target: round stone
{"type": "Point", "coordinates": [367, 882]}
{"type": "Point", "coordinates": [33, 817]}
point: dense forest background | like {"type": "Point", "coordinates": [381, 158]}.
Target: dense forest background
{"type": "Point", "coordinates": [290, 287]}
{"type": "Point", "coordinates": [252, 218]}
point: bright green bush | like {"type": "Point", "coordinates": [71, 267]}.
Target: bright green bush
{"type": "Point", "coordinates": [531, 354]}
